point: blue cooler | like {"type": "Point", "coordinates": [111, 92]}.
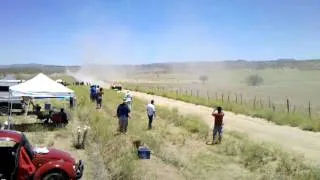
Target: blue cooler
{"type": "Point", "coordinates": [47, 107]}
{"type": "Point", "coordinates": [144, 153]}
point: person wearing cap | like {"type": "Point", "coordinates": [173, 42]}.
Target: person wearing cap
{"type": "Point", "coordinates": [123, 114]}
{"type": "Point", "coordinates": [128, 98]}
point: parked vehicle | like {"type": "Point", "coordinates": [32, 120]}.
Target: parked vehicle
{"type": "Point", "coordinates": [5, 100]}
{"type": "Point", "coordinates": [20, 161]}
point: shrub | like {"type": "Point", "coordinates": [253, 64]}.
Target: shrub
{"type": "Point", "coordinates": [254, 80]}
{"type": "Point", "coordinates": [203, 78]}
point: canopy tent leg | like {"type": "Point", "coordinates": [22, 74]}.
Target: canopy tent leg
{"type": "Point", "coordinates": [10, 112]}
{"type": "Point", "coordinates": [27, 110]}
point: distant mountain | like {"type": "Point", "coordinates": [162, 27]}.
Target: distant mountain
{"type": "Point", "coordinates": [312, 64]}
{"type": "Point", "coordinates": [34, 68]}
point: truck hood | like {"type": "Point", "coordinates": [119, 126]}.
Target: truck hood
{"type": "Point", "coordinates": [43, 155]}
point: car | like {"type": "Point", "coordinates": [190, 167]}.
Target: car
{"type": "Point", "coordinates": [6, 101]}
{"type": "Point", "coordinates": [20, 161]}
{"type": "Point", "coordinates": [115, 86]}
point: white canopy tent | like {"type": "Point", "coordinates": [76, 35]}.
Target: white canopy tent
{"type": "Point", "coordinates": [40, 86]}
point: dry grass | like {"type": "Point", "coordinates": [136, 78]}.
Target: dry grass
{"type": "Point", "coordinates": [178, 147]}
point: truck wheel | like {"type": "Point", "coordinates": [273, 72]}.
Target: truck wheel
{"type": "Point", "coordinates": [55, 176]}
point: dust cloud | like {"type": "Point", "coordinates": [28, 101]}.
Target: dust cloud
{"type": "Point", "coordinates": [117, 52]}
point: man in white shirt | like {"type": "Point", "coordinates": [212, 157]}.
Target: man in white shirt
{"type": "Point", "coordinates": [128, 98]}
{"type": "Point", "coordinates": [151, 112]}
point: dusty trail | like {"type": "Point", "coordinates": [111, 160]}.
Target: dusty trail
{"type": "Point", "coordinates": [289, 138]}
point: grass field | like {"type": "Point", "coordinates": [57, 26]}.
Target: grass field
{"type": "Point", "coordinates": [178, 147]}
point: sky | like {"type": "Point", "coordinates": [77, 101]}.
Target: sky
{"type": "Point", "coordinates": [75, 32]}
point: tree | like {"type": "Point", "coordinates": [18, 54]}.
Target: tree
{"type": "Point", "coordinates": [203, 78]}
{"type": "Point", "coordinates": [254, 80]}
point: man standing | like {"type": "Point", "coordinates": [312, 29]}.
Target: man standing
{"type": "Point", "coordinates": [99, 98]}
{"type": "Point", "coordinates": [151, 112]}
{"type": "Point", "coordinates": [218, 124]}
{"type": "Point", "coordinates": [123, 112]}
{"type": "Point", "coordinates": [92, 92]}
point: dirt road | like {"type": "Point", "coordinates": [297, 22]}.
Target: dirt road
{"type": "Point", "coordinates": [289, 138]}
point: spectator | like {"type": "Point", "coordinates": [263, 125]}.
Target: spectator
{"type": "Point", "coordinates": [151, 112]}
{"type": "Point", "coordinates": [99, 98]}
{"type": "Point", "coordinates": [218, 124]}
{"type": "Point", "coordinates": [63, 116]}
{"type": "Point", "coordinates": [92, 93]}
{"type": "Point", "coordinates": [123, 112]}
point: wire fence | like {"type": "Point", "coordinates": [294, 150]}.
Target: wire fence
{"type": "Point", "coordinates": [255, 102]}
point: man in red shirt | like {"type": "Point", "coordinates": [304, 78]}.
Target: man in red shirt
{"type": "Point", "coordinates": [218, 124]}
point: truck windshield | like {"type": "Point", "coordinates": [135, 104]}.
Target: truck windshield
{"type": "Point", "coordinates": [28, 147]}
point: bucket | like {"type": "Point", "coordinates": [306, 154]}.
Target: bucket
{"type": "Point", "coordinates": [144, 153]}
{"type": "Point", "coordinates": [47, 107]}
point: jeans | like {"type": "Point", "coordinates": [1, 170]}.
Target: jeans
{"type": "Point", "coordinates": [217, 129]}
{"type": "Point", "coordinates": [150, 121]}
{"type": "Point", "coordinates": [123, 123]}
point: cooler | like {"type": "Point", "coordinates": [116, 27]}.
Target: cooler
{"type": "Point", "coordinates": [144, 153]}
{"type": "Point", "coordinates": [47, 107]}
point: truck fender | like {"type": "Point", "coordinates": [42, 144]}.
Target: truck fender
{"type": "Point", "coordinates": [64, 166]}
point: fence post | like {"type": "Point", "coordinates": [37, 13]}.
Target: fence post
{"type": "Point", "coordinates": [197, 92]}
{"type": "Point", "coordinates": [254, 102]}
{"type": "Point", "coordinates": [236, 98]}
{"type": "Point", "coordinates": [273, 108]}
{"type": "Point", "coordinates": [288, 106]}
{"type": "Point", "coordinates": [261, 104]}
{"type": "Point", "coordinates": [309, 110]}
{"type": "Point", "coordinates": [208, 96]}
{"type": "Point", "coordinates": [216, 96]}
{"type": "Point", "coordinates": [228, 98]}
{"type": "Point", "coordinates": [240, 98]}
{"type": "Point", "coordinates": [269, 103]}
{"type": "Point", "coordinates": [222, 98]}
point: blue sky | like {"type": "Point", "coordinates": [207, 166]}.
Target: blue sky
{"type": "Point", "coordinates": [147, 31]}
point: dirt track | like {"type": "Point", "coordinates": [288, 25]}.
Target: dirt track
{"type": "Point", "coordinates": [289, 138]}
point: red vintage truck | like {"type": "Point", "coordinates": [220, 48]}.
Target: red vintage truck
{"type": "Point", "coordinates": [20, 161]}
